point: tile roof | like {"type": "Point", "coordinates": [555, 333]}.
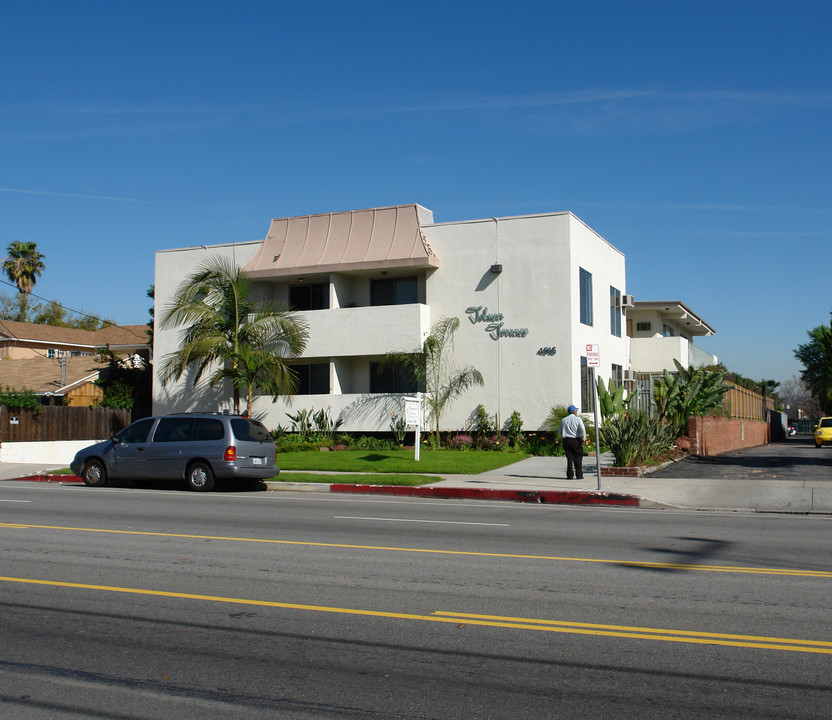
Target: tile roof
{"type": "Point", "coordinates": [133, 335]}
{"type": "Point", "coordinates": [44, 374]}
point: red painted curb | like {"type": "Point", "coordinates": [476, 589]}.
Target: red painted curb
{"type": "Point", "coordinates": [563, 497]}
{"type": "Point", "coordinates": [51, 478]}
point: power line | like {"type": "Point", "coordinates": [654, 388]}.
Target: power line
{"type": "Point", "coordinates": [75, 312]}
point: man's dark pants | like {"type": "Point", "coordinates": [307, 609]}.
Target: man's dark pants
{"type": "Point", "coordinates": [574, 457]}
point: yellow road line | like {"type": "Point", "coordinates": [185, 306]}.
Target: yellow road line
{"type": "Point", "coordinates": [551, 558]}
{"type": "Point", "coordinates": [618, 631]}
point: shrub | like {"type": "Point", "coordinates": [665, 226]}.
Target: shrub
{"type": "Point", "coordinates": [460, 442]}
{"type": "Point", "coordinates": [494, 442]}
{"type": "Point", "coordinates": [368, 442]}
{"type": "Point", "coordinates": [636, 437]}
{"type": "Point", "coordinates": [20, 400]}
{"type": "Point", "coordinates": [301, 422]}
{"type": "Point", "coordinates": [541, 444]}
{"type": "Point", "coordinates": [513, 427]}
{"type": "Point", "coordinates": [482, 424]}
{"type": "Point", "coordinates": [398, 426]}
{"type": "Point", "coordinates": [325, 426]}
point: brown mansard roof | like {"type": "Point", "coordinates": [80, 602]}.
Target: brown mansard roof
{"type": "Point", "coordinates": [377, 238]}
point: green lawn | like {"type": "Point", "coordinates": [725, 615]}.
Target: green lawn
{"type": "Point", "coordinates": [467, 462]}
{"type": "Point", "coordinates": [369, 479]}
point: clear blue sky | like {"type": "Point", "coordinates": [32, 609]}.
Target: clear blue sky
{"type": "Point", "coordinates": [696, 137]}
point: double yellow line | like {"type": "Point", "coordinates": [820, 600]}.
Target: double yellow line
{"type": "Point", "coordinates": [463, 619]}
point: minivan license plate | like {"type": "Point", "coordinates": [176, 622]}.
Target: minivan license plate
{"type": "Point", "coordinates": [258, 461]}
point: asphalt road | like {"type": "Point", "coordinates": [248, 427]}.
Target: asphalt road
{"type": "Point", "coordinates": [148, 603]}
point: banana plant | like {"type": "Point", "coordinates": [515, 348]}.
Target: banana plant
{"type": "Point", "coordinates": [611, 399]}
{"type": "Point", "coordinates": [691, 391]}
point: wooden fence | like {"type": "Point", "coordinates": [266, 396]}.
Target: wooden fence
{"type": "Point", "coordinates": [61, 423]}
{"type": "Point", "coordinates": [740, 402]}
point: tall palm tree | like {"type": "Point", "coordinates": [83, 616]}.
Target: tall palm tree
{"type": "Point", "coordinates": [432, 369]}
{"type": "Point", "coordinates": [22, 266]}
{"type": "Point", "coordinates": [230, 335]}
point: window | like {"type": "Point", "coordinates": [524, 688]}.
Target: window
{"type": "Point", "coordinates": [643, 327]}
{"type": "Point", "coordinates": [314, 296]}
{"type": "Point", "coordinates": [249, 430]}
{"type": "Point", "coordinates": [390, 380]}
{"type": "Point", "coordinates": [667, 331]}
{"type": "Point", "coordinates": [313, 379]}
{"type": "Point", "coordinates": [586, 296]}
{"type": "Point", "coordinates": [587, 390]}
{"type": "Point", "coordinates": [394, 291]}
{"type": "Point", "coordinates": [207, 429]}
{"type": "Point", "coordinates": [615, 311]}
{"type": "Point", "coordinates": [617, 374]}
{"type": "Point", "coordinates": [137, 432]}
{"type": "Point", "coordinates": [175, 429]}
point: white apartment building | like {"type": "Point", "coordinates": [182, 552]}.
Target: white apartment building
{"type": "Point", "coordinates": [662, 331]}
{"type": "Point", "coordinates": [531, 293]}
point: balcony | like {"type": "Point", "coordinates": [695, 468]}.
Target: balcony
{"type": "Point", "coordinates": [350, 332]}
{"type": "Point", "coordinates": [658, 353]}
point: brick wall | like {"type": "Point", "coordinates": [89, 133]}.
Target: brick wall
{"type": "Point", "coordinates": [714, 435]}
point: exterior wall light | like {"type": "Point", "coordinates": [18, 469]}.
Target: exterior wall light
{"type": "Point", "coordinates": [496, 269]}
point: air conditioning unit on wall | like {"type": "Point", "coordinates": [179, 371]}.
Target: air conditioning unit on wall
{"type": "Point", "coordinates": [629, 375]}
{"type": "Point", "coordinates": [627, 301]}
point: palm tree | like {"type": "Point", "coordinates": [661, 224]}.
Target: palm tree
{"type": "Point", "coordinates": [230, 335]}
{"type": "Point", "coordinates": [432, 369]}
{"type": "Point", "coordinates": [22, 266]}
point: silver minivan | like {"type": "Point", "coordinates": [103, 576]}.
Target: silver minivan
{"type": "Point", "coordinates": [197, 447]}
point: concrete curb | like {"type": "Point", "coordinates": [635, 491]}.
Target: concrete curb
{"type": "Point", "coordinates": [559, 497]}
{"type": "Point", "coordinates": [50, 478]}
{"type": "Point", "coordinates": [562, 497]}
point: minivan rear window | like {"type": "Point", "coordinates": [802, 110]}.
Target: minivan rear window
{"type": "Point", "coordinates": [249, 430]}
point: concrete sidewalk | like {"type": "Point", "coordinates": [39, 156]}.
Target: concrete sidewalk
{"type": "Point", "coordinates": [543, 479]}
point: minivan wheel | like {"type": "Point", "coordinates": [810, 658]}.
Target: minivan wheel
{"type": "Point", "coordinates": [95, 474]}
{"type": "Point", "coordinates": [200, 477]}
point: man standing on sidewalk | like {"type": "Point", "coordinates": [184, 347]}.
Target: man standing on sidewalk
{"type": "Point", "coordinates": [573, 432]}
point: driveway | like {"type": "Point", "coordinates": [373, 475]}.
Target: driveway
{"type": "Point", "coordinates": [795, 459]}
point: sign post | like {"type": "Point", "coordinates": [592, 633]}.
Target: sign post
{"type": "Point", "coordinates": [593, 360]}
{"type": "Point", "coordinates": [413, 416]}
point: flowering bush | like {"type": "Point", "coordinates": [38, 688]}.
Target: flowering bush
{"type": "Point", "coordinates": [493, 442]}
{"type": "Point", "coordinates": [460, 442]}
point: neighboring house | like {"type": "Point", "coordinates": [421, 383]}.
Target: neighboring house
{"type": "Point", "coordinates": [531, 293]}
{"type": "Point", "coordinates": [57, 362]}
{"type": "Point", "coordinates": [53, 378]}
{"type": "Point", "coordinates": [663, 331]}
{"type": "Point", "coordinates": [28, 340]}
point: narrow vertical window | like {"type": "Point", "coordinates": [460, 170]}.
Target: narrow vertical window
{"type": "Point", "coordinates": [584, 385]}
{"type": "Point", "coordinates": [586, 296]}
{"type": "Point", "coordinates": [615, 311]}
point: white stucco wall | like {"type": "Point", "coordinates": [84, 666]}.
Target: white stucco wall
{"type": "Point", "coordinates": [172, 267]}
{"type": "Point", "coordinates": [536, 295]}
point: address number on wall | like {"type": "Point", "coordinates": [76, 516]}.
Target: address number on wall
{"type": "Point", "coordinates": [547, 351]}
